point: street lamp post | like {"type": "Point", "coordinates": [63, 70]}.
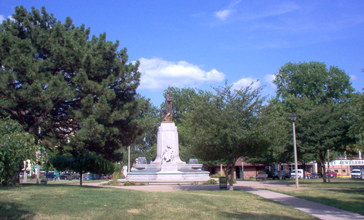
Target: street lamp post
{"type": "Point", "coordinates": [293, 120]}
{"type": "Point", "coordinates": [129, 164]}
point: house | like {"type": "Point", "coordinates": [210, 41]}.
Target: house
{"type": "Point", "coordinates": [242, 169]}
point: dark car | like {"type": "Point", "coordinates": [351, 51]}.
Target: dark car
{"type": "Point", "coordinates": [65, 176]}
{"type": "Point", "coordinates": [313, 176]}
{"type": "Point", "coordinates": [282, 174]}
{"type": "Point", "coordinates": [50, 175]}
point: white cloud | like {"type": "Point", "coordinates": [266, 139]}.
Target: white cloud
{"type": "Point", "coordinates": [158, 73]}
{"type": "Point", "coordinates": [2, 18]}
{"type": "Point", "coordinates": [245, 82]}
{"type": "Point", "coordinates": [223, 14]}
{"type": "Point", "coordinates": [353, 77]}
{"type": "Point", "coordinates": [269, 78]}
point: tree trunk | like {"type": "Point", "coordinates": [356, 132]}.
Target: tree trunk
{"type": "Point", "coordinates": [81, 178]}
{"type": "Point", "coordinates": [304, 170]}
{"type": "Point", "coordinates": [324, 170]}
{"type": "Point", "coordinates": [319, 168]}
{"type": "Point", "coordinates": [322, 166]}
{"type": "Point", "coordinates": [230, 176]}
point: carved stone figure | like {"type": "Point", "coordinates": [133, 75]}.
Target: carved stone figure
{"type": "Point", "coordinates": [168, 155]}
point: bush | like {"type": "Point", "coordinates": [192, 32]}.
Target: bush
{"type": "Point", "coordinates": [210, 182]}
{"type": "Point", "coordinates": [129, 183]}
{"type": "Point", "coordinates": [15, 147]}
{"type": "Point", "coordinates": [216, 175]}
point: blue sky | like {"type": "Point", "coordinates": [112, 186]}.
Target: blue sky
{"type": "Point", "coordinates": [201, 44]}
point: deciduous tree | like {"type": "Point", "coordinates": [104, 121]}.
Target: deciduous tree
{"type": "Point", "coordinates": [16, 146]}
{"type": "Point", "coordinates": [226, 125]}
{"type": "Point", "coordinates": [321, 98]}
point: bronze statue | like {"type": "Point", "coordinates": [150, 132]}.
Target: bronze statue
{"type": "Point", "coordinates": [169, 112]}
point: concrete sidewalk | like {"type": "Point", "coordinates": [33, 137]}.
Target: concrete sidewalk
{"type": "Point", "coordinates": [258, 188]}
{"type": "Point", "coordinates": [316, 209]}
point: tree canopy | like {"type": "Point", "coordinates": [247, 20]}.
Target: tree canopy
{"type": "Point", "coordinates": [322, 99]}
{"type": "Point", "coordinates": [225, 125]}
{"type": "Point", "coordinates": [314, 81]}
{"type": "Point", "coordinates": [76, 93]}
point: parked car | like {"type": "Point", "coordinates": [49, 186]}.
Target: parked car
{"type": "Point", "coordinates": [331, 173]}
{"type": "Point", "coordinates": [356, 174]}
{"type": "Point", "coordinates": [91, 176]}
{"type": "Point", "coordinates": [313, 176]}
{"type": "Point", "coordinates": [105, 177]}
{"type": "Point", "coordinates": [299, 174]}
{"type": "Point", "coordinates": [75, 176]}
{"type": "Point", "coordinates": [65, 176]}
{"type": "Point", "coordinates": [50, 175]}
{"type": "Point", "coordinates": [282, 174]}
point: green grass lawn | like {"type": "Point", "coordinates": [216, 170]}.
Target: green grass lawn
{"type": "Point", "coordinates": [75, 202]}
{"type": "Point", "coordinates": [346, 194]}
{"type": "Point", "coordinates": [334, 183]}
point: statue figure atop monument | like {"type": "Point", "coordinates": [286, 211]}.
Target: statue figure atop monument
{"type": "Point", "coordinates": [169, 112]}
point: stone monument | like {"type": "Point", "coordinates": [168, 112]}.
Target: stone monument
{"type": "Point", "coordinates": [167, 165]}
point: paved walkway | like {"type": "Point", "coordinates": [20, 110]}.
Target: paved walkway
{"type": "Point", "coordinates": [258, 188]}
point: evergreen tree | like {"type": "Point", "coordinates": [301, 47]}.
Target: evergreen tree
{"type": "Point", "coordinates": [145, 145]}
{"type": "Point", "coordinates": [75, 93]}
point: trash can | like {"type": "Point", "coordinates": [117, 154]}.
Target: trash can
{"type": "Point", "coordinates": [223, 182]}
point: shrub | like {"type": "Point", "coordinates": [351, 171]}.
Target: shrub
{"type": "Point", "coordinates": [129, 183]}
{"type": "Point", "coordinates": [216, 175]}
{"type": "Point", "coordinates": [15, 147]}
{"type": "Point", "coordinates": [210, 182]}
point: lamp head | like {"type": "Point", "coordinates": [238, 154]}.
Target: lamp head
{"type": "Point", "coordinates": [293, 117]}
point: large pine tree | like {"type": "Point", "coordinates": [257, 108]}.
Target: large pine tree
{"type": "Point", "coordinates": [75, 93]}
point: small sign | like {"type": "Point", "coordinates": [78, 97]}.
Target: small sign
{"type": "Point", "coordinates": [223, 182]}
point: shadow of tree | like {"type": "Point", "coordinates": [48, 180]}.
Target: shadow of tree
{"type": "Point", "coordinates": [14, 211]}
{"type": "Point", "coordinates": [243, 215]}
{"type": "Point", "coordinates": [355, 204]}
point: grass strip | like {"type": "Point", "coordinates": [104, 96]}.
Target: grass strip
{"type": "Point", "coordinates": [74, 202]}
{"type": "Point", "coordinates": [346, 199]}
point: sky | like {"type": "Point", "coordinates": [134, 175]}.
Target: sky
{"type": "Point", "coordinates": [203, 44]}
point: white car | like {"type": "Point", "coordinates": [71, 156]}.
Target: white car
{"type": "Point", "coordinates": [299, 174]}
{"type": "Point", "coordinates": [356, 174]}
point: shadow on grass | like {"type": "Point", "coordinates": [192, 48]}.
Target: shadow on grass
{"type": "Point", "coordinates": [348, 184]}
{"type": "Point", "coordinates": [354, 205]}
{"type": "Point", "coordinates": [14, 211]}
{"type": "Point", "coordinates": [242, 215]}
{"type": "Point", "coordinates": [55, 185]}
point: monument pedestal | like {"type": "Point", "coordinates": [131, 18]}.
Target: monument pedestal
{"type": "Point", "coordinates": [167, 165]}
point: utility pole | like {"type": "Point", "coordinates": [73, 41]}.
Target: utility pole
{"type": "Point", "coordinates": [328, 165]}
{"type": "Point", "coordinates": [293, 119]}
{"type": "Point", "coordinates": [129, 159]}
